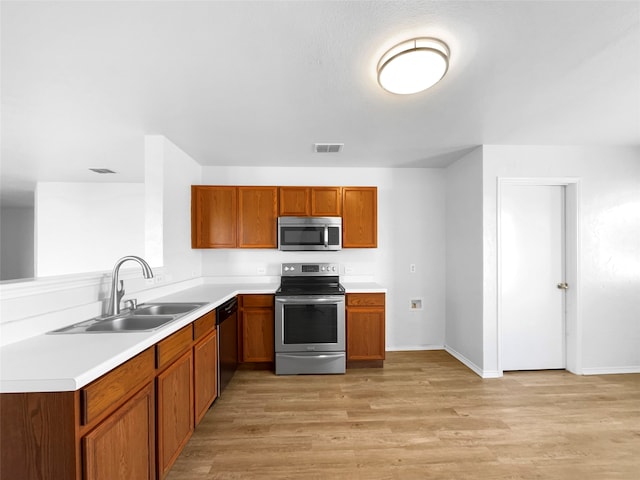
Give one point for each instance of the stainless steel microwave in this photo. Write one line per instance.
(310, 233)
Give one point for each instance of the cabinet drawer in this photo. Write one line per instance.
(173, 346)
(365, 299)
(204, 325)
(257, 301)
(111, 388)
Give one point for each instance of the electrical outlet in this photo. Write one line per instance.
(348, 270)
(412, 268)
(262, 270)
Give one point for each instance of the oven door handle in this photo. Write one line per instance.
(314, 356)
(310, 300)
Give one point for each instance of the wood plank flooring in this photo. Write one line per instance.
(423, 416)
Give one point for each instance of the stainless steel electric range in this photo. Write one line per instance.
(310, 320)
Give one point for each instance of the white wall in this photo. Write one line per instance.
(37, 306)
(464, 270)
(86, 227)
(16, 243)
(457, 244)
(180, 261)
(609, 256)
(411, 230)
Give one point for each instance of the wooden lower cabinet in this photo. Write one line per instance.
(123, 446)
(39, 436)
(92, 433)
(205, 373)
(175, 411)
(365, 326)
(131, 423)
(256, 324)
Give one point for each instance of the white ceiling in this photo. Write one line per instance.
(257, 83)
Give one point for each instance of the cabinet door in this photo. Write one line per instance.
(257, 335)
(123, 445)
(175, 411)
(326, 201)
(38, 436)
(365, 333)
(359, 217)
(205, 373)
(257, 217)
(213, 217)
(294, 201)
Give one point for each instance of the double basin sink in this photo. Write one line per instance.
(146, 317)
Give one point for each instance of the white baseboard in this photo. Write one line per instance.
(412, 348)
(476, 369)
(610, 370)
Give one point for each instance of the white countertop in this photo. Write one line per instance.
(53, 363)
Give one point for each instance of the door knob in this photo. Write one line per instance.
(563, 285)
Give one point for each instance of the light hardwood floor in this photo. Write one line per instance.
(423, 416)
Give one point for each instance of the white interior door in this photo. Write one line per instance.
(532, 264)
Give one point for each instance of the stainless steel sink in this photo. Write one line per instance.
(131, 323)
(146, 317)
(166, 308)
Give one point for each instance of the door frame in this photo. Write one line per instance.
(573, 316)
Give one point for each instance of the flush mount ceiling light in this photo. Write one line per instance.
(413, 66)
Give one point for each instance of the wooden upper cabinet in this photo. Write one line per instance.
(310, 201)
(294, 201)
(257, 217)
(214, 220)
(326, 201)
(359, 217)
(231, 217)
(246, 216)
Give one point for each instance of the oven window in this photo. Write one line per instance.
(302, 235)
(310, 324)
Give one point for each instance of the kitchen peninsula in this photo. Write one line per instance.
(87, 387)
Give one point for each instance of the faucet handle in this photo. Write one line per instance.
(131, 304)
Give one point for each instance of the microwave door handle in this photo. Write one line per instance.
(326, 236)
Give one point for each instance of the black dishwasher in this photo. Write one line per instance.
(227, 325)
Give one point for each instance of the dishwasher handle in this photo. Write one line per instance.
(226, 310)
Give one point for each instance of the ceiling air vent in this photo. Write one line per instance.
(101, 170)
(327, 147)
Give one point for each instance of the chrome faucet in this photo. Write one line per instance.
(117, 287)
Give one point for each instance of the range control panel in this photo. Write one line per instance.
(310, 269)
